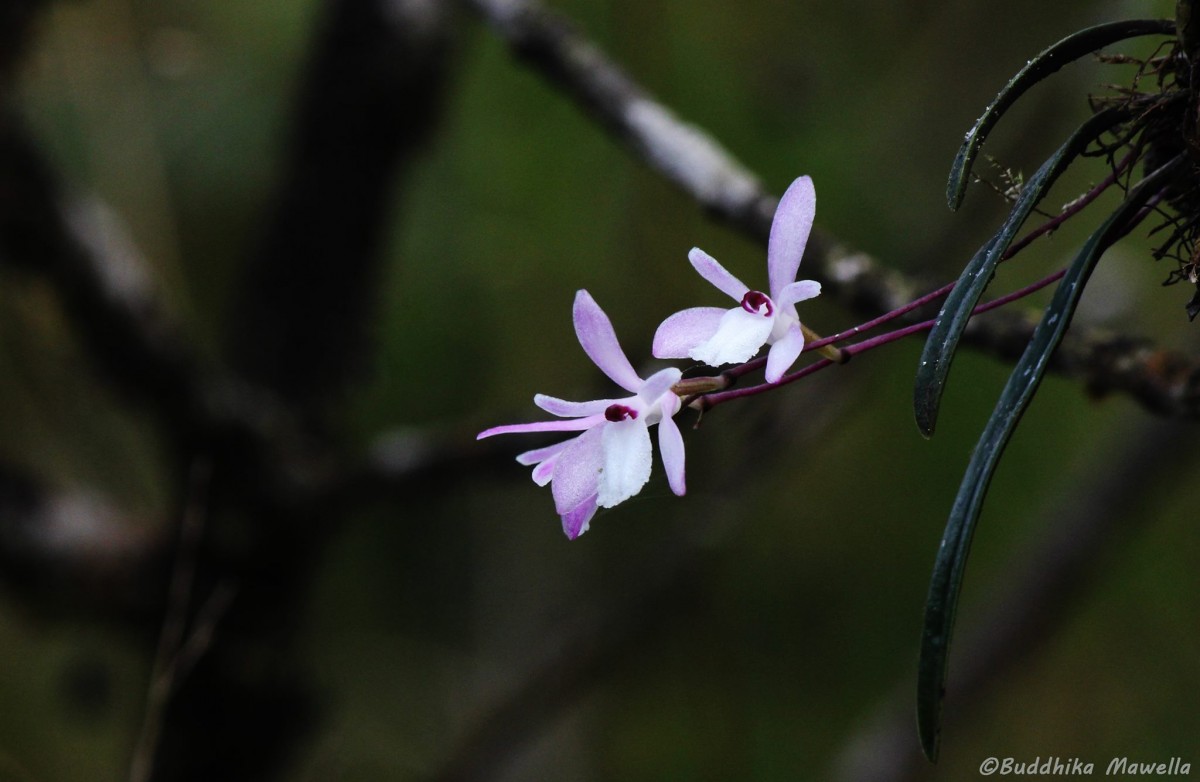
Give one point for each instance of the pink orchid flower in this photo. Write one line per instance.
(610, 461)
(716, 336)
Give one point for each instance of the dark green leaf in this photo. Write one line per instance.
(942, 602)
(943, 338)
(1068, 49)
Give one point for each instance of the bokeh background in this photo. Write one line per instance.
(763, 627)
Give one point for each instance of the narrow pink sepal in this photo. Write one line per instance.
(544, 472)
(714, 272)
(789, 233)
(784, 353)
(599, 341)
(570, 425)
(798, 291)
(679, 334)
(670, 445)
(541, 454)
(568, 409)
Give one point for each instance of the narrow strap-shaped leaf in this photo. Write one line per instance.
(942, 602)
(943, 338)
(1047, 62)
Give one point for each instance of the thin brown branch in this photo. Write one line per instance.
(1165, 382)
(171, 639)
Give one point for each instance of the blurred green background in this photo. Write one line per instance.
(813, 513)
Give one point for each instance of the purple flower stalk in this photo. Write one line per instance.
(715, 336)
(610, 460)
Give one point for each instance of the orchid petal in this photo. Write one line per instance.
(784, 353)
(544, 460)
(566, 409)
(789, 233)
(659, 384)
(627, 461)
(577, 471)
(541, 454)
(798, 291)
(715, 273)
(577, 520)
(572, 425)
(544, 472)
(738, 337)
(680, 333)
(670, 445)
(599, 341)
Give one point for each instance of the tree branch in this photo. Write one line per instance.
(76, 551)
(368, 102)
(369, 98)
(1165, 382)
(79, 245)
(135, 342)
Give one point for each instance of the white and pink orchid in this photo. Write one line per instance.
(610, 460)
(716, 336)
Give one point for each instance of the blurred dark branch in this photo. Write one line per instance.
(1166, 382)
(368, 101)
(129, 333)
(266, 459)
(184, 639)
(16, 20)
(1040, 590)
(76, 551)
(132, 337)
(79, 246)
(163, 678)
